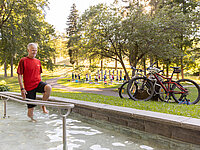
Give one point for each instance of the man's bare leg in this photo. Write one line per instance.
(30, 114)
(47, 92)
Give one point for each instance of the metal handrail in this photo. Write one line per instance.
(59, 105)
(36, 102)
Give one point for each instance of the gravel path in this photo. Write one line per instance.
(102, 91)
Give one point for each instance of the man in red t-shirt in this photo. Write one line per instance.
(30, 70)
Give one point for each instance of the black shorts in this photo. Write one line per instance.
(32, 94)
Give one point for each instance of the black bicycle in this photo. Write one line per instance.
(123, 88)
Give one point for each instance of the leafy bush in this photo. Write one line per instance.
(3, 86)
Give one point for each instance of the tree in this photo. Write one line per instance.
(71, 31)
(109, 34)
(187, 33)
(26, 24)
(6, 7)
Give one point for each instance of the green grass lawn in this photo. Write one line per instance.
(170, 108)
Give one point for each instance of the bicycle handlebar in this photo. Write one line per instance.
(153, 64)
(139, 70)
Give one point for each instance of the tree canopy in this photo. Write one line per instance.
(23, 22)
(109, 32)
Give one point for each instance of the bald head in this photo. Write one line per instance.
(32, 50)
(31, 45)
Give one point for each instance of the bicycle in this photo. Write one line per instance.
(181, 90)
(123, 88)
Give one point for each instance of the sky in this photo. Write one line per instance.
(60, 10)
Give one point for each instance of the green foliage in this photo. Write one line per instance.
(3, 86)
(72, 30)
(25, 24)
(120, 33)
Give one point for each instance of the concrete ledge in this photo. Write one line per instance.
(172, 126)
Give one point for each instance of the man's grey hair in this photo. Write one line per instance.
(32, 44)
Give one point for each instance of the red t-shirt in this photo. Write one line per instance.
(31, 70)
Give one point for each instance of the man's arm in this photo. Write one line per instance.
(23, 91)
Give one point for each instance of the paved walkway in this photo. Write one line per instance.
(102, 91)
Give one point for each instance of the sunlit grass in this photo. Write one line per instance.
(195, 78)
(12, 82)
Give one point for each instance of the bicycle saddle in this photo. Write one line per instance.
(175, 67)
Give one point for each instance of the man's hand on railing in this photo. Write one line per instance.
(23, 93)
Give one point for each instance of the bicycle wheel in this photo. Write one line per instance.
(192, 88)
(163, 96)
(140, 88)
(123, 90)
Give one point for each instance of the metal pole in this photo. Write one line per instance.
(64, 133)
(5, 101)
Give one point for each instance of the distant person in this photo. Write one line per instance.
(124, 77)
(79, 77)
(86, 77)
(96, 78)
(90, 78)
(111, 78)
(72, 76)
(120, 76)
(104, 77)
(75, 76)
(29, 77)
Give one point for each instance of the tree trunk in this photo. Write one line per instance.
(54, 59)
(116, 64)
(144, 65)
(77, 63)
(182, 74)
(163, 69)
(90, 61)
(167, 69)
(123, 65)
(199, 74)
(151, 60)
(11, 66)
(101, 64)
(5, 69)
(157, 65)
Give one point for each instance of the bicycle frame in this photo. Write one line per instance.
(169, 83)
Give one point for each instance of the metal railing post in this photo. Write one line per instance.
(5, 107)
(64, 133)
(4, 114)
(64, 127)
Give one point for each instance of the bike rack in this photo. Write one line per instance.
(5, 96)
